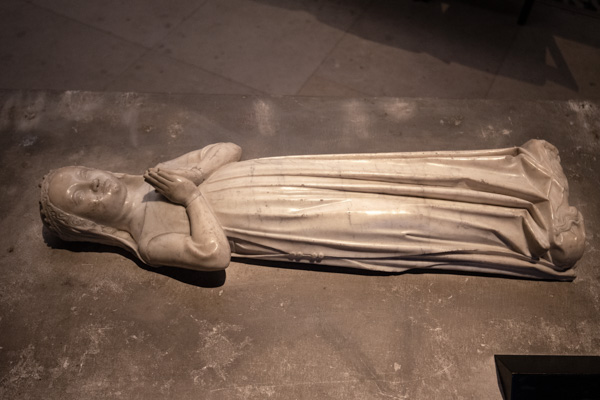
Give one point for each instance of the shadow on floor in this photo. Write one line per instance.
(473, 33)
(203, 279)
(350, 271)
(213, 279)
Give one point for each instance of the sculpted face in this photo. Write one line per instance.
(89, 193)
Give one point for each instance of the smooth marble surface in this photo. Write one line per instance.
(503, 211)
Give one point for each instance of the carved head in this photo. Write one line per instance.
(80, 204)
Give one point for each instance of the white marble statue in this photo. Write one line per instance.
(501, 211)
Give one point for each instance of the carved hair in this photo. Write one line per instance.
(73, 228)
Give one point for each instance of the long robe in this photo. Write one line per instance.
(491, 211)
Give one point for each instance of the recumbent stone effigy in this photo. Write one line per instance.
(500, 211)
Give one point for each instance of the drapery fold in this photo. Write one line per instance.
(490, 211)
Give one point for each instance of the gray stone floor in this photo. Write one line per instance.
(442, 49)
(280, 77)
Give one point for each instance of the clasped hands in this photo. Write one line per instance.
(173, 184)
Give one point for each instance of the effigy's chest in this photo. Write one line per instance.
(162, 217)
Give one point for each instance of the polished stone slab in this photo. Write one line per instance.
(83, 321)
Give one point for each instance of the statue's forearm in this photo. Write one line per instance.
(206, 233)
(215, 156)
(202, 163)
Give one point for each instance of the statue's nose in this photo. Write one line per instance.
(95, 185)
